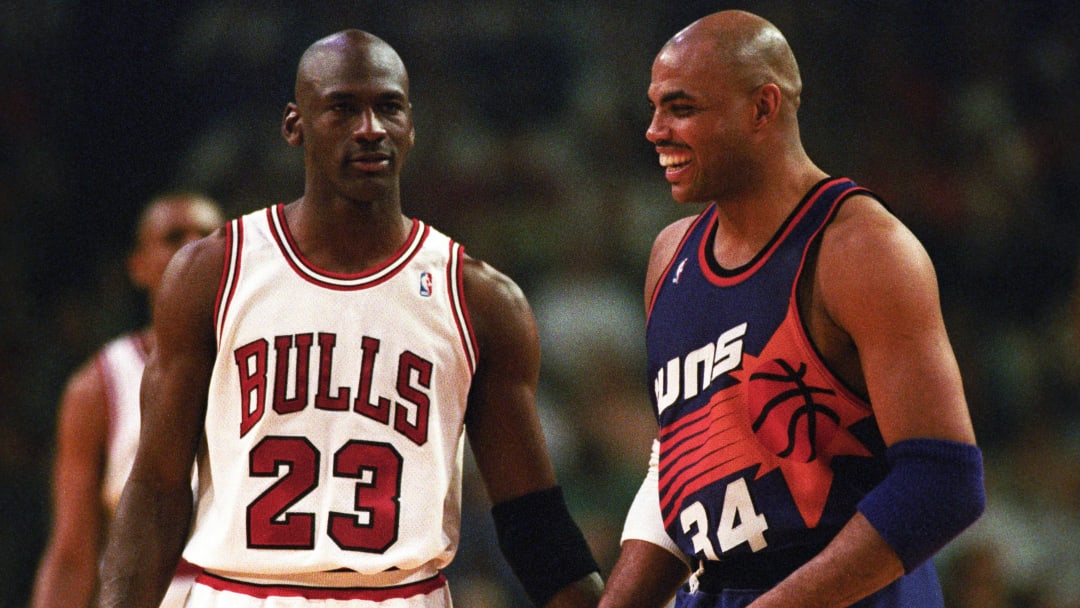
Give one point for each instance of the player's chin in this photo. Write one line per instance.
(686, 195)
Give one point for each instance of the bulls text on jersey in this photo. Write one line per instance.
(408, 414)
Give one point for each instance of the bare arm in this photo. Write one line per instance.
(647, 575)
(152, 520)
(502, 424)
(878, 286)
(67, 575)
(663, 249)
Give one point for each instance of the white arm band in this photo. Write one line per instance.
(643, 520)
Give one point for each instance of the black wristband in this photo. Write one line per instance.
(542, 543)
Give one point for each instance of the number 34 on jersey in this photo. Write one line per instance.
(739, 523)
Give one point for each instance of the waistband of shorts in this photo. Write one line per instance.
(752, 571)
(327, 585)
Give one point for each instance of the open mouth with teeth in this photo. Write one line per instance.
(674, 164)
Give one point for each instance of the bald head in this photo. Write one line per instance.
(752, 48)
(327, 58)
(167, 223)
(197, 210)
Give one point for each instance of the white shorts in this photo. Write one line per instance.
(177, 594)
(219, 591)
(178, 591)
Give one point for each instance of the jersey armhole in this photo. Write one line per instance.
(458, 306)
(234, 238)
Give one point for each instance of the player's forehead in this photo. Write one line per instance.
(370, 70)
(686, 71)
(184, 214)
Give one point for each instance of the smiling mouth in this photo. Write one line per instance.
(674, 161)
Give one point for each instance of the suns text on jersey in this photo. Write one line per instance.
(407, 414)
(687, 375)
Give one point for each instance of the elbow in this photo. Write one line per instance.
(934, 492)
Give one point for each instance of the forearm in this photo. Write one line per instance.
(67, 582)
(645, 576)
(857, 563)
(547, 551)
(582, 593)
(144, 545)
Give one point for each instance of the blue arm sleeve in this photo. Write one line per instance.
(934, 491)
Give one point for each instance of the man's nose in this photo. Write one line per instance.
(369, 126)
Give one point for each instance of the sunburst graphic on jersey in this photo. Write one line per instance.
(776, 415)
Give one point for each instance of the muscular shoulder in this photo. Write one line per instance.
(866, 237)
(497, 306)
(86, 382)
(664, 246)
(84, 405)
(669, 238)
(870, 261)
(190, 285)
(205, 256)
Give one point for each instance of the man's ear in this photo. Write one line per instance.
(292, 127)
(767, 100)
(138, 272)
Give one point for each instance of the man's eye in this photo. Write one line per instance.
(174, 237)
(681, 110)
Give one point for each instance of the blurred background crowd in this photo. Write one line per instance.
(530, 120)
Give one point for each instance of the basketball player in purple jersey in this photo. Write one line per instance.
(815, 447)
(322, 360)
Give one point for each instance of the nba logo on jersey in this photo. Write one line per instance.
(679, 270)
(425, 284)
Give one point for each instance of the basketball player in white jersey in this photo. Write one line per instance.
(322, 360)
(98, 425)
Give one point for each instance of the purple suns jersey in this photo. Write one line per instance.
(764, 453)
(762, 448)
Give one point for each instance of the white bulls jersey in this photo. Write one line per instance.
(334, 428)
(121, 363)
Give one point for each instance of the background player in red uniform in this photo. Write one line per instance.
(99, 417)
(349, 240)
(868, 325)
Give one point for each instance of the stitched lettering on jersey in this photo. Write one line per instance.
(407, 413)
(692, 373)
(774, 416)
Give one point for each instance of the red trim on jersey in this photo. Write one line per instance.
(840, 198)
(675, 256)
(759, 261)
(454, 273)
(186, 569)
(303, 267)
(234, 240)
(371, 594)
